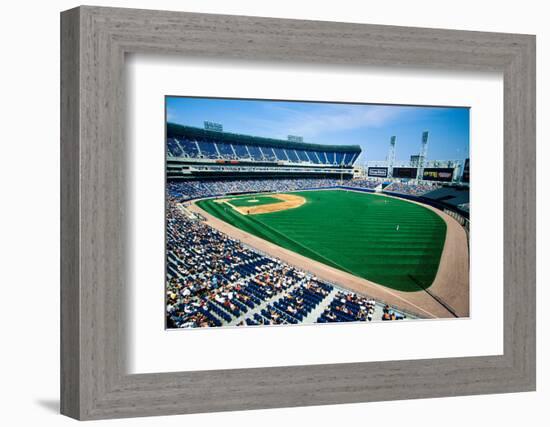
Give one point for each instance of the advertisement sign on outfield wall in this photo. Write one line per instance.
(404, 173)
(438, 174)
(378, 172)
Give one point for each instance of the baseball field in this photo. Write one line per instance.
(388, 241)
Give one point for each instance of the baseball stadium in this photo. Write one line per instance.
(266, 231)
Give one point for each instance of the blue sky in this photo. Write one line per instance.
(369, 126)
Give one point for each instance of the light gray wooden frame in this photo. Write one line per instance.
(94, 41)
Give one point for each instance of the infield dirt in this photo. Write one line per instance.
(287, 201)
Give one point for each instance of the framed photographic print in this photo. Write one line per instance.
(303, 212)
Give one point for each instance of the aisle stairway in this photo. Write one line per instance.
(250, 313)
(317, 311)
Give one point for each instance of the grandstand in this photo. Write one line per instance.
(452, 196)
(195, 153)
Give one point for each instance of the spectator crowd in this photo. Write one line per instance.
(185, 190)
(197, 189)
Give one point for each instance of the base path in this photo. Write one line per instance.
(446, 298)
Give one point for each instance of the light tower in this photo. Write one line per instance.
(423, 155)
(391, 156)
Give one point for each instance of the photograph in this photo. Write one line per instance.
(287, 212)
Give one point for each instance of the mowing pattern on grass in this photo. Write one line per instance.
(392, 242)
(253, 201)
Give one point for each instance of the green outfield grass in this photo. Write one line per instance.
(253, 201)
(354, 232)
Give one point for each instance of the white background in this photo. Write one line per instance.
(150, 78)
(29, 225)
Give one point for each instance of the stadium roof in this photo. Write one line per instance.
(175, 130)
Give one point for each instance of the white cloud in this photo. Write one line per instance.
(321, 119)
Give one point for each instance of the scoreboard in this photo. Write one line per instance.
(378, 172)
(438, 174)
(404, 173)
